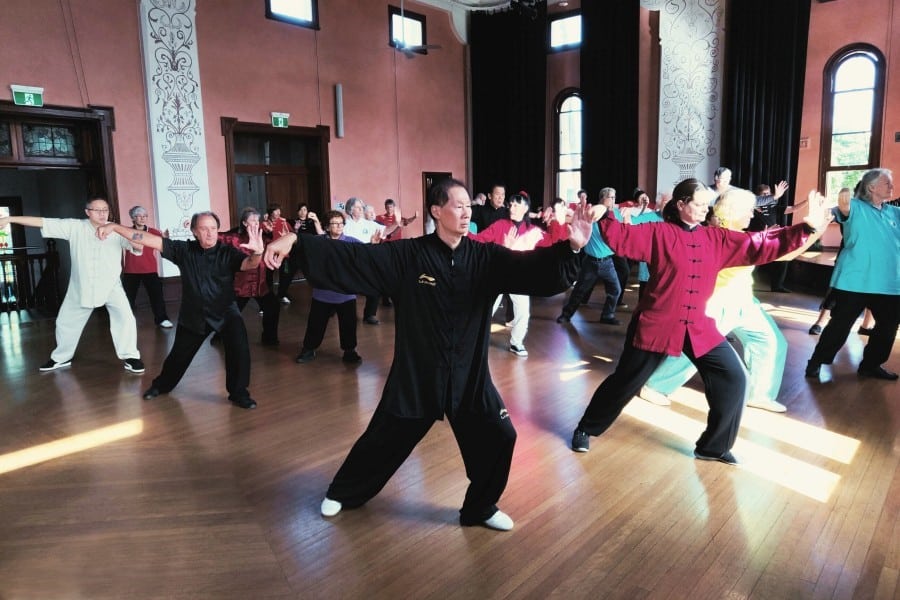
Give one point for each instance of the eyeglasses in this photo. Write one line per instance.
(336, 224)
(99, 210)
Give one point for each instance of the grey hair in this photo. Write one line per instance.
(348, 207)
(869, 178)
(135, 210)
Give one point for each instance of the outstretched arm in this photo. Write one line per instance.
(26, 221)
(135, 236)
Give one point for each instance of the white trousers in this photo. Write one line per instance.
(521, 314)
(72, 318)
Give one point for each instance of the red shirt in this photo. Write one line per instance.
(683, 265)
(247, 284)
(530, 236)
(388, 221)
(144, 263)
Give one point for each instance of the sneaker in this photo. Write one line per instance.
(769, 405)
(581, 441)
(305, 356)
(562, 319)
(151, 393)
(51, 365)
(728, 458)
(654, 397)
(285, 300)
(351, 357)
(499, 521)
(371, 321)
(815, 330)
(134, 365)
(610, 321)
(330, 507)
(166, 324)
(518, 350)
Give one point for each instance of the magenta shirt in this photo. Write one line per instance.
(683, 266)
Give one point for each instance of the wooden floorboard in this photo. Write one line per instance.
(193, 498)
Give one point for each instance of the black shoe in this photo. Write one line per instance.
(151, 393)
(305, 356)
(610, 321)
(351, 357)
(371, 321)
(781, 290)
(877, 373)
(581, 441)
(812, 369)
(865, 330)
(52, 365)
(815, 330)
(727, 458)
(562, 319)
(134, 365)
(246, 403)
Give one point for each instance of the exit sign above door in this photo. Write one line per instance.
(26, 95)
(280, 119)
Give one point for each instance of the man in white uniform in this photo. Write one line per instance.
(95, 281)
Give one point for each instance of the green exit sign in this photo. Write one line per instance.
(280, 119)
(25, 95)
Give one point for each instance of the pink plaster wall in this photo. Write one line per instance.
(402, 116)
(834, 25)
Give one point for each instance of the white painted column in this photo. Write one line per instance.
(690, 89)
(175, 115)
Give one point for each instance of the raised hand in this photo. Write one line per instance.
(580, 227)
(780, 188)
(819, 215)
(255, 243)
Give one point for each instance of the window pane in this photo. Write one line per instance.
(299, 10)
(852, 112)
(406, 31)
(850, 149)
(565, 31)
(855, 73)
(840, 179)
(5, 140)
(567, 184)
(50, 142)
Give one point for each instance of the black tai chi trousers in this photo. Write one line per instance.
(724, 380)
(485, 441)
(237, 357)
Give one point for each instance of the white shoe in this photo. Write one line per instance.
(285, 300)
(770, 405)
(167, 324)
(330, 507)
(499, 521)
(654, 397)
(518, 350)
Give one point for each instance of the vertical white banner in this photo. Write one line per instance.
(175, 115)
(690, 89)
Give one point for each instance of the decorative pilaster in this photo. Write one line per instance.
(690, 88)
(175, 110)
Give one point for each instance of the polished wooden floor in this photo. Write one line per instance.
(104, 495)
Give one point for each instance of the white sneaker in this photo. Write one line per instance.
(285, 300)
(518, 350)
(499, 521)
(167, 324)
(770, 405)
(330, 507)
(654, 397)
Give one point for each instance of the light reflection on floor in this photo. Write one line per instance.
(69, 445)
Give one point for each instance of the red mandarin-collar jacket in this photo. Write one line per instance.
(532, 236)
(683, 266)
(247, 284)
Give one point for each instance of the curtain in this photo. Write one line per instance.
(609, 91)
(509, 89)
(765, 67)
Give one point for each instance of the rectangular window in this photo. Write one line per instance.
(407, 30)
(49, 142)
(565, 32)
(304, 13)
(5, 140)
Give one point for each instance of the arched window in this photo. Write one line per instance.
(852, 105)
(568, 145)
